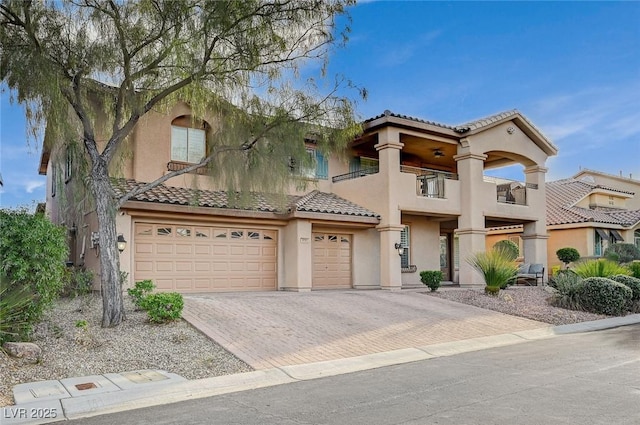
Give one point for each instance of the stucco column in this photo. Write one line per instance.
(297, 255)
(535, 235)
(471, 223)
(388, 148)
(124, 226)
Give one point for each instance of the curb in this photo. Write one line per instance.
(36, 412)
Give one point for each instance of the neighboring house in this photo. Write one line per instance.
(411, 197)
(589, 212)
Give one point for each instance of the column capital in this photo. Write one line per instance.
(534, 236)
(390, 227)
(388, 145)
(470, 155)
(471, 231)
(535, 169)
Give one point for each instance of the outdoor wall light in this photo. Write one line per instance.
(95, 239)
(122, 243)
(399, 247)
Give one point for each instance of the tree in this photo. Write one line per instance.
(567, 255)
(72, 62)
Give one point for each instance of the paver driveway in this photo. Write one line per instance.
(285, 328)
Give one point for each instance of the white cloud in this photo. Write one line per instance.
(31, 185)
(399, 54)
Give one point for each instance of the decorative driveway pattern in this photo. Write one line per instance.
(272, 329)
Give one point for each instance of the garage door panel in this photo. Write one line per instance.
(184, 249)
(164, 248)
(205, 258)
(164, 266)
(201, 266)
(331, 261)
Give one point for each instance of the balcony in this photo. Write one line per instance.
(510, 191)
(429, 183)
(355, 174)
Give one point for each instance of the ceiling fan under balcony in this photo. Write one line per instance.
(438, 153)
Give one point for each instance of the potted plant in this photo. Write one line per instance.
(431, 278)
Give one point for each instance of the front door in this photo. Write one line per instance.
(444, 256)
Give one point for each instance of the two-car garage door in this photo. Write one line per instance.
(196, 258)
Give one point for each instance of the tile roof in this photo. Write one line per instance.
(388, 113)
(563, 194)
(315, 201)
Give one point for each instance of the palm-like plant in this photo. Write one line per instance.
(496, 268)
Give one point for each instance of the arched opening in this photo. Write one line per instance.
(188, 139)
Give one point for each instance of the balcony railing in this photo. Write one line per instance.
(510, 191)
(429, 183)
(355, 174)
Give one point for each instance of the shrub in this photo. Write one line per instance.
(634, 269)
(568, 255)
(569, 289)
(14, 301)
(509, 248)
(497, 270)
(623, 252)
(163, 307)
(33, 252)
(431, 278)
(633, 284)
(605, 296)
(598, 268)
(78, 282)
(140, 291)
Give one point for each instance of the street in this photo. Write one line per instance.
(588, 378)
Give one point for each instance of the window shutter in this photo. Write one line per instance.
(404, 241)
(322, 166)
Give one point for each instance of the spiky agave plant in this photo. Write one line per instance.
(496, 267)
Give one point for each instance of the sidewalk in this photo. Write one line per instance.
(74, 398)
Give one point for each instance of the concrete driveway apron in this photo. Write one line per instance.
(272, 329)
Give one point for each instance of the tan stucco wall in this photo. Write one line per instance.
(569, 238)
(365, 259)
(424, 241)
(621, 183)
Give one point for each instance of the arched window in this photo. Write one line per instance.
(188, 140)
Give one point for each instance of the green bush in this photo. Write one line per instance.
(163, 307)
(605, 296)
(14, 302)
(498, 271)
(598, 268)
(623, 252)
(78, 282)
(632, 283)
(431, 278)
(569, 289)
(568, 255)
(33, 252)
(140, 291)
(509, 248)
(634, 269)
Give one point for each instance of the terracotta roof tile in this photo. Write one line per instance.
(314, 201)
(562, 196)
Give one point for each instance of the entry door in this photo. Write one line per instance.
(445, 258)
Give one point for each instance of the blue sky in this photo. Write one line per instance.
(572, 68)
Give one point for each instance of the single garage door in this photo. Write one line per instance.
(195, 258)
(331, 261)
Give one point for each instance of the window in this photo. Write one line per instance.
(68, 166)
(187, 144)
(404, 241)
(636, 238)
(163, 231)
(319, 168)
(182, 231)
(54, 183)
(600, 241)
(361, 163)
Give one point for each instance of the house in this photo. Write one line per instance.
(412, 196)
(589, 212)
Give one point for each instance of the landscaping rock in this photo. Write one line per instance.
(23, 350)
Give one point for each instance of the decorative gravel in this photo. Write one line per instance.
(69, 351)
(531, 302)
